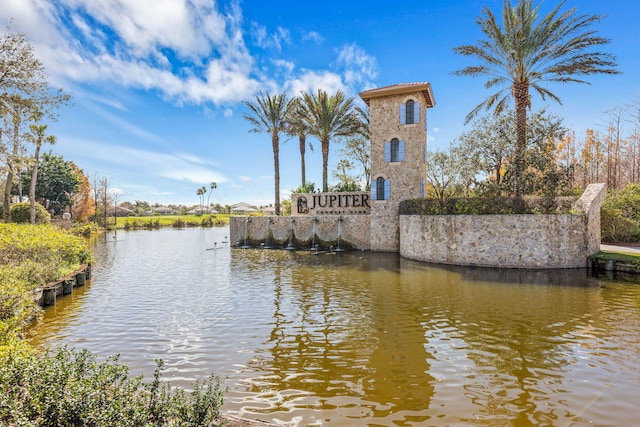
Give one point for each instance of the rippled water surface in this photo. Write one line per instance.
(360, 339)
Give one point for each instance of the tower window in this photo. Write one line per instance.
(395, 148)
(394, 151)
(380, 189)
(409, 110)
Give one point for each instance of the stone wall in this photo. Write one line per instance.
(302, 232)
(509, 241)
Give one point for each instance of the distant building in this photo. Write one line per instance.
(201, 210)
(120, 211)
(242, 208)
(163, 210)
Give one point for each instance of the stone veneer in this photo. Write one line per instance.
(407, 176)
(510, 241)
(346, 231)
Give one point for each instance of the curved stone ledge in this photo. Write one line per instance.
(507, 241)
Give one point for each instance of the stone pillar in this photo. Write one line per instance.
(590, 203)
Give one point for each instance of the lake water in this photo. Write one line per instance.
(360, 339)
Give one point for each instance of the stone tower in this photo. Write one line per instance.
(398, 116)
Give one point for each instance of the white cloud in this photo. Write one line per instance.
(311, 81)
(287, 66)
(179, 167)
(143, 38)
(359, 67)
(126, 125)
(270, 41)
(314, 36)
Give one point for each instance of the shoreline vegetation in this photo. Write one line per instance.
(176, 221)
(70, 387)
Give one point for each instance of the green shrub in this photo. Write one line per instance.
(71, 388)
(17, 306)
(486, 206)
(627, 201)
(20, 213)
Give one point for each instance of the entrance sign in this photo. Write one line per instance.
(355, 203)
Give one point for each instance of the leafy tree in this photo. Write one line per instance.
(82, 205)
(25, 95)
(102, 197)
(269, 113)
(328, 116)
(346, 182)
(487, 150)
(58, 182)
(447, 174)
(489, 146)
(140, 207)
(356, 150)
(355, 155)
(620, 219)
(309, 187)
(527, 52)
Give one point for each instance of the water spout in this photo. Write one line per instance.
(314, 246)
(338, 248)
(246, 234)
(265, 245)
(290, 246)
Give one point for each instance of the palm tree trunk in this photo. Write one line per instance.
(6, 206)
(275, 144)
(521, 96)
(325, 165)
(302, 138)
(32, 186)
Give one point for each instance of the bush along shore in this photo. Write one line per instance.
(70, 387)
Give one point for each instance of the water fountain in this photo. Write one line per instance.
(246, 234)
(338, 248)
(265, 245)
(290, 246)
(314, 247)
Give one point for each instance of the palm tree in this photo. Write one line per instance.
(200, 192)
(269, 114)
(37, 135)
(212, 186)
(531, 50)
(296, 126)
(328, 117)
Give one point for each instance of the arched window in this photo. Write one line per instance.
(395, 150)
(380, 188)
(409, 111)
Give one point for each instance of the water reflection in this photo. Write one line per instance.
(360, 338)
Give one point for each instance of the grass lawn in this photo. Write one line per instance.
(619, 256)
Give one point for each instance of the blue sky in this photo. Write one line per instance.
(157, 85)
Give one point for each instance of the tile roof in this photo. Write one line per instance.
(401, 88)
